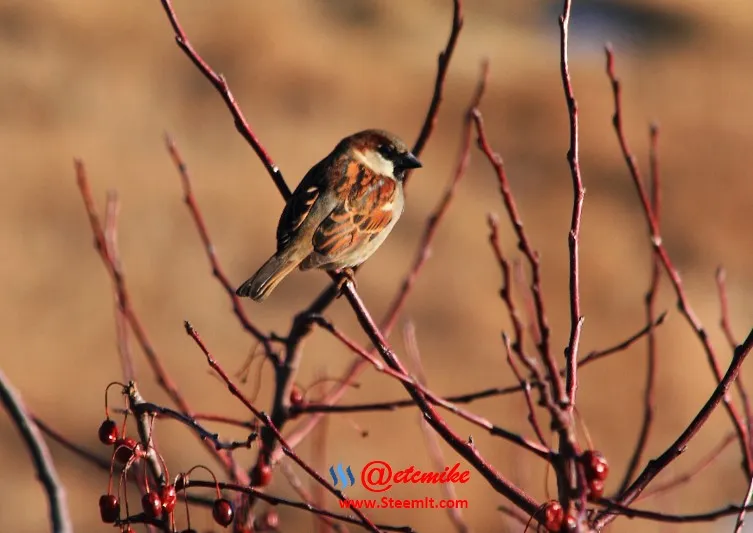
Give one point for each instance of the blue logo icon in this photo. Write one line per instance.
(339, 476)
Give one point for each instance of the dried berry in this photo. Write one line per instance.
(222, 512)
(595, 489)
(261, 475)
(124, 449)
(553, 515)
(296, 396)
(596, 465)
(109, 508)
(152, 505)
(108, 432)
(168, 497)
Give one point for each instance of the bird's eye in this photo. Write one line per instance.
(386, 150)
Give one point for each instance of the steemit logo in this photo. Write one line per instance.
(339, 476)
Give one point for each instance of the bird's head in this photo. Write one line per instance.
(382, 152)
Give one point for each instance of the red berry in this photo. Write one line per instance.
(596, 465)
(152, 505)
(128, 529)
(109, 508)
(108, 432)
(168, 497)
(296, 396)
(553, 516)
(595, 489)
(124, 449)
(268, 521)
(222, 512)
(261, 475)
(571, 524)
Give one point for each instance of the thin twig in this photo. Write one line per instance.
(525, 246)
(683, 303)
(211, 253)
(591, 357)
(721, 283)
(297, 485)
(163, 377)
(532, 419)
(60, 518)
(235, 391)
(676, 448)
(464, 447)
(709, 516)
(650, 303)
(506, 290)
(430, 437)
(412, 383)
(444, 64)
(743, 508)
(112, 208)
(576, 318)
(439, 212)
(219, 83)
(658, 488)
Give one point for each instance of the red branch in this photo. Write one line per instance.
(653, 226)
(217, 271)
(576, 319)
(444, 63)
(462, 446)
(219, 83)
(60, 519)
(163, 377)
(650, 299)
(287, 450)
(430, 230)
(410, 383)
(721, 283)
(658, 488)
(676, 448)
(525, 246)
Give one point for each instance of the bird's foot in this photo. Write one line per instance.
(346, 275)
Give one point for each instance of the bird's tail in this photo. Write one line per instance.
(271, 273)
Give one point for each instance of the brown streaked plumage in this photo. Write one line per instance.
(341, 211)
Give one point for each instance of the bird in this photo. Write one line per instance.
(341, 212)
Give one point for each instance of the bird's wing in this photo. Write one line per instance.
(366, 211)
(300, 203)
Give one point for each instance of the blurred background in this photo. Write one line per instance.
(104, 81)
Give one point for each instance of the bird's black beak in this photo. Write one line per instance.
(408, 160)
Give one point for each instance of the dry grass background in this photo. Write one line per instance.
(104, 80)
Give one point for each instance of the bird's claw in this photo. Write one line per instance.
(346, 275)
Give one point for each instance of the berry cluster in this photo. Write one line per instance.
(157, 503)
(596, 469)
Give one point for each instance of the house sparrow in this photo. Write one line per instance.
(341, 212)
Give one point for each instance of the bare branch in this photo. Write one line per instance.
(60, 518)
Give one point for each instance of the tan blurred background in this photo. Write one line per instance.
(104, 81)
